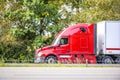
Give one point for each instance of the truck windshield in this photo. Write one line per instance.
(55, 41)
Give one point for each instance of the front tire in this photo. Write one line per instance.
(107, 60)
(51, 60)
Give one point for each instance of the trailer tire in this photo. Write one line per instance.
(107, 60)
(117, 60)
(51, 59)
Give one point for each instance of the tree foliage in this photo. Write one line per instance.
(25, 24)
(93, 11)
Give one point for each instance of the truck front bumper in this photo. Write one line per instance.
(39, 60)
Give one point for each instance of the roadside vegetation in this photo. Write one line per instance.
(26, 25)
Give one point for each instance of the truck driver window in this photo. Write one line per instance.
(63, 41)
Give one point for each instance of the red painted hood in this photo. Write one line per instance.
(45, 48)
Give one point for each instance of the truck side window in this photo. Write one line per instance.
(63, 41)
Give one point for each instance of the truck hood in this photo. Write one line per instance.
(45, 48)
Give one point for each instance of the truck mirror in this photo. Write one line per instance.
(83, 29)
(40, 47)
(58, 45)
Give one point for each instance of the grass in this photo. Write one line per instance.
(2, 64)
(39, 65)
(56, 65)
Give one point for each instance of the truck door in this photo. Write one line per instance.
(64, 48)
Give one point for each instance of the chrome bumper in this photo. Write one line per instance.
(39, 60)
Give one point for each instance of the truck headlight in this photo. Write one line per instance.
(39, 54)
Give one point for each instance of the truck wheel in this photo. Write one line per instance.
(117, 60)
(107, 60)
(51, 60)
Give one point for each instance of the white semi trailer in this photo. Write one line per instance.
(108, 41)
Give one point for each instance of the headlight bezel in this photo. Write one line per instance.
(40, 54)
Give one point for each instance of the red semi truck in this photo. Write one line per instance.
(81, 43)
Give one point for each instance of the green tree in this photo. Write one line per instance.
(28, 19)
(90, 11)
(93, 11)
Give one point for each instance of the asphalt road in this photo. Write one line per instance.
(61, 73)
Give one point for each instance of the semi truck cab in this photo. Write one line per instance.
(74, 44)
